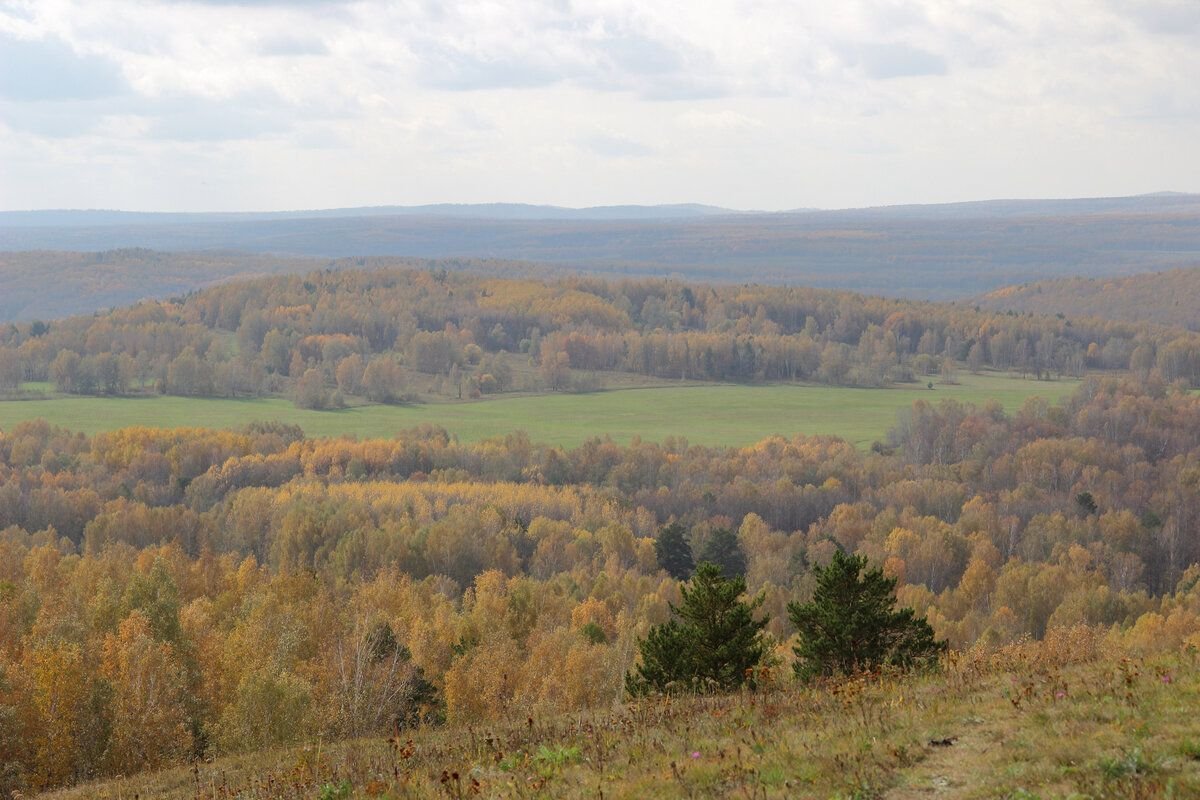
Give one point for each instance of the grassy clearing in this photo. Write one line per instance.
(721, 414)
(1034, 720)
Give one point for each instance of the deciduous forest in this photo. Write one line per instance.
(1166, 298)
(328, 338)
(173, 594)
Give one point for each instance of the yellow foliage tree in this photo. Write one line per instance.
(149, 717)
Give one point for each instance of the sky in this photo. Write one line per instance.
(220, 105)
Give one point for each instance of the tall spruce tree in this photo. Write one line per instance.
(674, 552)
(852, 624)
(713, 643)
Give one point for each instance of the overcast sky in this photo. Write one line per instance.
(224, 105)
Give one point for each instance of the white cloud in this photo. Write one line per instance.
(883, 60)
(720, 120)
(754, 103)
(616, 146)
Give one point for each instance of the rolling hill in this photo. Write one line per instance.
(51, 284)
(949, 251)
(1166, 298)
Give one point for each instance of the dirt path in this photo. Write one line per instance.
(960, 768)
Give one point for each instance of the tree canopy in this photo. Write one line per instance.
(387, 334)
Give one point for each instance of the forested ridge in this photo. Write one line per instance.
(1165, 298)
(51, 284)
(332, 337)
(166, 594)
(944, 252)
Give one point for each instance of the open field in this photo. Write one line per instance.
(723, 414)
(1061, 719)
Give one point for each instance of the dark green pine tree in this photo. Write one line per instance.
(724, 550)
(673, 552)
(852, 624)
(713, 642)
(665, 662)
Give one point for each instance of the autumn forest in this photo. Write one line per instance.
(174, 594)
(329, 338)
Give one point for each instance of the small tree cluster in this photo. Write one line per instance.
(310, 391)
(713, 641)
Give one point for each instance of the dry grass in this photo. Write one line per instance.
(1054, 719)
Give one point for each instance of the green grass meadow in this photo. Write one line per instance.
(721, 414)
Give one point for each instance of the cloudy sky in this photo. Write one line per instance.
(772, 104)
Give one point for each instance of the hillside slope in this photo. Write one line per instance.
(1032, 720)
(1166, 298)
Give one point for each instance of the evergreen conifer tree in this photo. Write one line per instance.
(852, 623)
(724, 550)
(673, 552)
(712, 643)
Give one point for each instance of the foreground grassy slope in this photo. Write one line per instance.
(1054, 719)
(707, 414)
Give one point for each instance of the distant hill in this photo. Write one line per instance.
(55, 218)
(1156, 203)
(939, 252)
(49, 284)
(1166, 298)
(1159, 203)
(53, 284)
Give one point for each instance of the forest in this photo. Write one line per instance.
(1165, 298)
(335, 337)
(173, 594)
